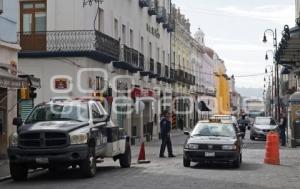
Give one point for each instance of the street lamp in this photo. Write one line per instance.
(274, 34)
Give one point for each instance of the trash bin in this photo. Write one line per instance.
(294, 120)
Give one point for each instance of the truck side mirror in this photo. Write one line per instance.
(17, 121)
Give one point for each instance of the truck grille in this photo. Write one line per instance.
(42, 140)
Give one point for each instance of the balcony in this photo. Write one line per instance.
(159, 71)
(89, 43)
(172, 75)
(179, 75)
(144, 3)
(161, 16)
(141, 62)
(129, 60)
(171, 24)
(152, 69)
(152, 7)
(166, 71)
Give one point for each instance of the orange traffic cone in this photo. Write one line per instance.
(272, 149)
(142, 155)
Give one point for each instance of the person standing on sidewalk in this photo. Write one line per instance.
(282, 128)
(165, 130)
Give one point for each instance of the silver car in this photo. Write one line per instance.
(261, 127)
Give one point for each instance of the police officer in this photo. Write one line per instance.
(282, 127)
(165, 129)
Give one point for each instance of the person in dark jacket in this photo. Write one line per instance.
(165, 130)
(282, 128)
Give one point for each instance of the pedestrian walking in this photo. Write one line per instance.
(165, 130)
(282, 128)
(180, 123)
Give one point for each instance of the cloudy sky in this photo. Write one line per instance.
(234, 29)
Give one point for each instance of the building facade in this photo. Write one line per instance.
(203, 70)
(9, 83)
(126, 43)
(181, 59)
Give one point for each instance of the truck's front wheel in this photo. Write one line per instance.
(89, 166)
(19, 172)
(125, 159)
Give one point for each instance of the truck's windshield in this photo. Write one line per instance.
(59, 112)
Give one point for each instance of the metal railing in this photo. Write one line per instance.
(144, 3)
(161, 16)
(151, 66)
(152, 7)
(130, 56)
(69, 41)
(158, 69)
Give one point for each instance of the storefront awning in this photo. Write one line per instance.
(203, 107)
(288, 52)
(10, 81)
(285, 71)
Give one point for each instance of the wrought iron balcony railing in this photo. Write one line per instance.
(70, 41)
(152, 71)
(158, 69)
(171, 23)
(172, 74)
(141, 62)
(161, 16)
(144, 3)
(131, 57)
(166, 71)
(152, 7)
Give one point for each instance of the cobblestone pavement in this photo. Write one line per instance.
(170, 173)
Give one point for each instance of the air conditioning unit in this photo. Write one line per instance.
(1, 6)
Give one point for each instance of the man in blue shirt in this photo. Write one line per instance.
(165, 130)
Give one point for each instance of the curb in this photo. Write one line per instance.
(2, 179)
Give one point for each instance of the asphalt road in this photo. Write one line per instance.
(170, 173)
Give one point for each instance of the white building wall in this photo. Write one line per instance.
(297, 8)
(71, 15)
(126, 12)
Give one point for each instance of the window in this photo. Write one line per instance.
(131, 38)
(40, 22)
(116, 28)
(142, 45)
(1, 11)
(101, 20)
(124, 34)
(33, 17)
(158, 54)
(164, 57)
(95, 112)
(150, 49)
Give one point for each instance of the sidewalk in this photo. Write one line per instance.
(4, 169)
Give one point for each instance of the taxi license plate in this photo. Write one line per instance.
(42, 160)
(210, 154)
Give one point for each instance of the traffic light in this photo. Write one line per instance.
(32, 93)
(24, 93)
(109, 91)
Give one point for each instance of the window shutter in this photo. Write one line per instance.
(1, 6)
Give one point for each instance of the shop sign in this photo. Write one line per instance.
(137, 92)
(61, 83)
(154, 31)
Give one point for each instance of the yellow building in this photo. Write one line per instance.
(222, 86)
